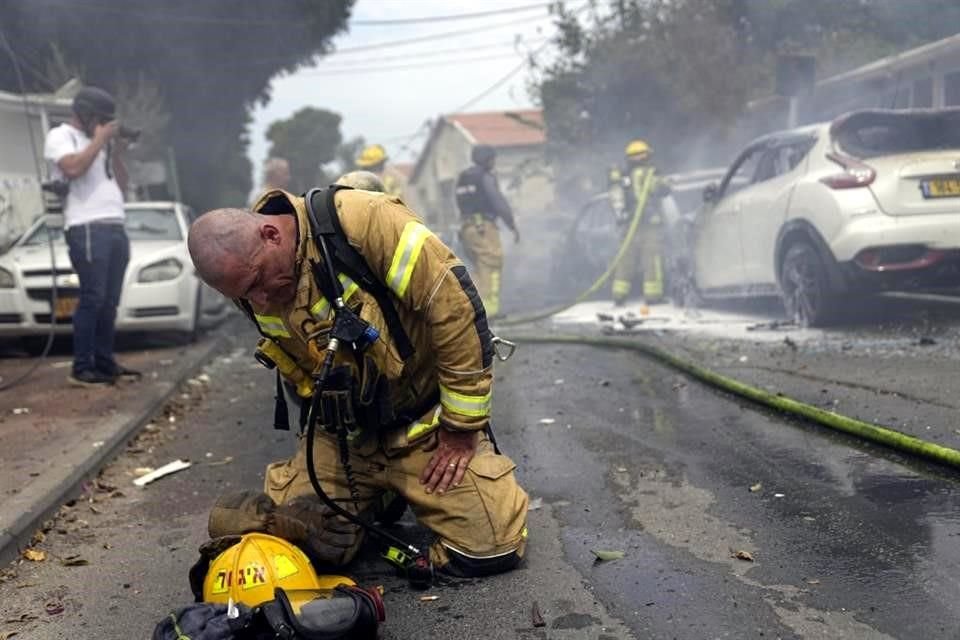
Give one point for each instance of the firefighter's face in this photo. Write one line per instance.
(267, 277)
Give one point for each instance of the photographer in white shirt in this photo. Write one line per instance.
(85, 153)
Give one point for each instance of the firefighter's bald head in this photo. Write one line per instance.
(246, 255)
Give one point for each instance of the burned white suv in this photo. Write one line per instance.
(824, 213)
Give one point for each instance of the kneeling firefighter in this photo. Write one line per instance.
(381, 339)
(632, 191)
(481, 204)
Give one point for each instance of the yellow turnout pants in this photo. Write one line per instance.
(484, 517)
(481, 244)
(645, 249)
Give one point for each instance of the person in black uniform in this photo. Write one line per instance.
(481, 204)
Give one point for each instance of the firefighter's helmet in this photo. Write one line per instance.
(365, 180)
(251, 569)
(638, 150)
(371, 156)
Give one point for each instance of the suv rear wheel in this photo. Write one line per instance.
(805, 288)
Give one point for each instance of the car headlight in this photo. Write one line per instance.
(160, 271)
(6, 279)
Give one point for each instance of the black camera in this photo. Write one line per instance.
(128, 133)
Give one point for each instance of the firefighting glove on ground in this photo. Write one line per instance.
(305, 521)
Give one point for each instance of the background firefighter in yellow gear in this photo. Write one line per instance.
(419, 424)
(374, 158)
(632, 191)
(481, 204)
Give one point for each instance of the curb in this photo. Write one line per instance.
(42, 508)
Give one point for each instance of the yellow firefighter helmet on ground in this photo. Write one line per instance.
(638, 149)
(371, 156)
(250, 570)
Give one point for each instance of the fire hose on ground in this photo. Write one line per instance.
(589, 291)
(873, 433)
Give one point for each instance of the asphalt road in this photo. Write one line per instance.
(847, 541)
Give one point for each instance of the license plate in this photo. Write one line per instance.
(65, 308)
(941, 187)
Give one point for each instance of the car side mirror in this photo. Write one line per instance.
(711, 192)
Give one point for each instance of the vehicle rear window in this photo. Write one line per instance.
(881, 133)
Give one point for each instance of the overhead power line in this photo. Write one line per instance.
(432, 53)
(182, 18)
(456, 16)
(397, 67)
(438, 36)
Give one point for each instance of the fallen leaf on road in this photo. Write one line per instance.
(24, 617)
(547, 420)
(604, 555)
(536, 503)
(53, 608)
(74, 561)
(34, 555)
(743, 555)
(95, 510)
(756, 487)
(536, 617)
(37, 538)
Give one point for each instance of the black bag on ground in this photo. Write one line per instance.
(350, 612)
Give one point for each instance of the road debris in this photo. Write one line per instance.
(6, 635)
(54, 607)
(156, 474)
(20, 411)
(34, 555)
(547, 421)
(604, 555)
(74, 561)
(536, 617)
(756, 487)
(219, 463)
(742, 555)
(535, 503)
(779, 495)
(429, 598)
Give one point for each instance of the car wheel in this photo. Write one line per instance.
(806, 292)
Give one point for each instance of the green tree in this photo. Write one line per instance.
(211, 61)
(309, 139)
(680, 72)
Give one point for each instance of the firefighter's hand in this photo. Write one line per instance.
(455, 450)
(516, 236)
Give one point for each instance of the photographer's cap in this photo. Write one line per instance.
(93, 101)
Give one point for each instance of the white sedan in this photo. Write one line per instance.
(822, 214)
(161, 291)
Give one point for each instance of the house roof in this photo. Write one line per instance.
(502, 128)
(515, 128)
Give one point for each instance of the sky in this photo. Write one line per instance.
(437, 76)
